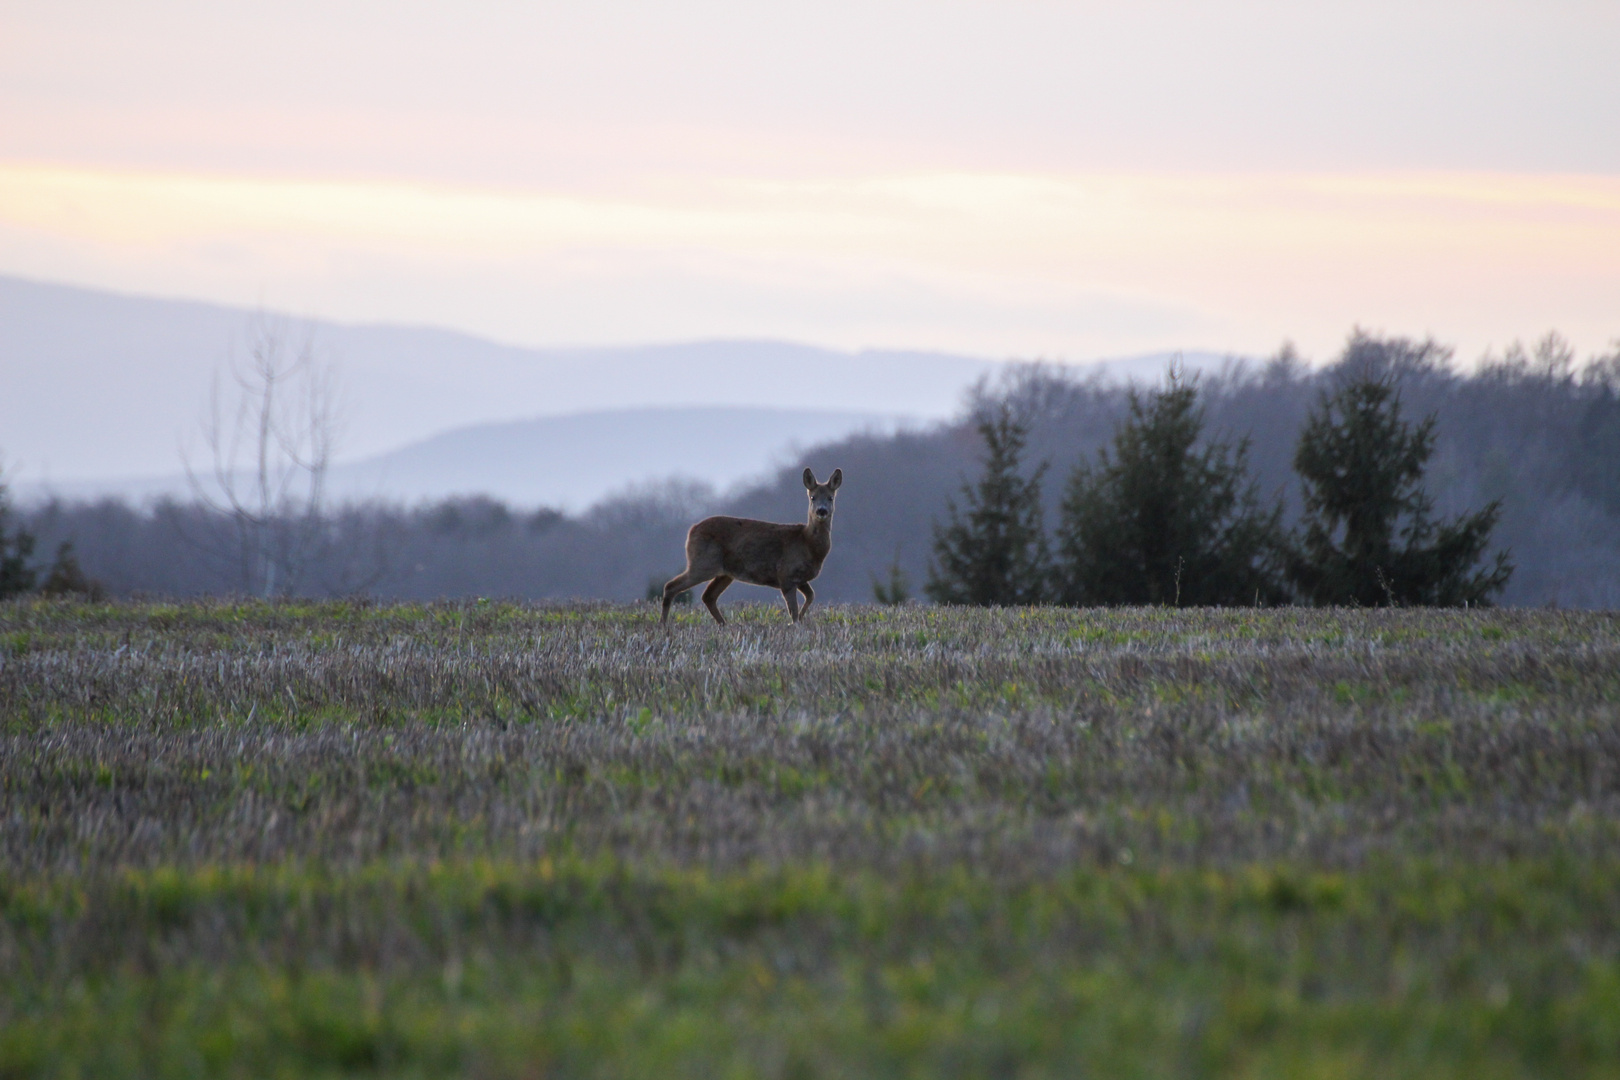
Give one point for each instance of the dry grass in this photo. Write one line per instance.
(1217, 841)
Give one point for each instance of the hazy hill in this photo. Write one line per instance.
(100, 385)
(567, 462)
(102, 391)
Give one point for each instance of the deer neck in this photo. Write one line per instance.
(818, 532)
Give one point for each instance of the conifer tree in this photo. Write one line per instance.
(67, 578)
(1369, 537)
(1165, 521)
(896, 589)
(993, 551)
(16, 576)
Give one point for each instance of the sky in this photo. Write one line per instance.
(1016, 178)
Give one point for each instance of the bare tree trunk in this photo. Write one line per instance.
(285, 414)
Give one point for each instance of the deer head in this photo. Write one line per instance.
(821, 495)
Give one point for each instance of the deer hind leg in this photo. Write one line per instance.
(809, 598)
(790, 593)
(674, 587)
(711, 597)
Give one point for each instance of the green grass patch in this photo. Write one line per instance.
(594, 967)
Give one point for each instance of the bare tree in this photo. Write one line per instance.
(270, 443)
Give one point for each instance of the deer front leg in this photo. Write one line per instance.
(711, 597)
(790, 593)
(809, 598)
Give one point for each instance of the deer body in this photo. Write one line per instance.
(721, 550)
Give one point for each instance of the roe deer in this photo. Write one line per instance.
(721, 550)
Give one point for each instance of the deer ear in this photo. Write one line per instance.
(809, 479)
(835, 479)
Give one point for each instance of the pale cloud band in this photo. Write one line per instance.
(1060, 264)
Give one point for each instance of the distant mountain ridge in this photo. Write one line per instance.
(102, 391)
(568, 462)
(571, 461)
(101, 385)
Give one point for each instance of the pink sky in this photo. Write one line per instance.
(1015, 178)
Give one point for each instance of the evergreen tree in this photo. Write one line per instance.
(16, 576)
(1163, 521)
(895, 590)
(995, 553)
(67, 578)
(1594, 451)
(1369, 537)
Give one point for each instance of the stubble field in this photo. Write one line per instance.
(495, 840)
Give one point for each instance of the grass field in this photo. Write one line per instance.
(493, 840)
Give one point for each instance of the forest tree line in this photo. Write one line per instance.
(1534, 434)
(1169, 518)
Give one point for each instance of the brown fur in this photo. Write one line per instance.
(721, 550)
